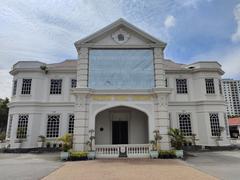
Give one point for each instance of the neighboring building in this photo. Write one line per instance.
(122, 87)
(231, 90)
(234, 127)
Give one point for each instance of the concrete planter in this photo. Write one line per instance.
(153, 154)
(179, 153)
(39, 144)
(64, 156)
(91, 155)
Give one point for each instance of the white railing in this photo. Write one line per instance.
(131, 150)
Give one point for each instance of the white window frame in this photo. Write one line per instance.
(181, 88)
(26, 86)
(14, 90)
(23, 120)
(210, 88)
(73, 83)
(50, 132)
(214, 126)
(71, 119)
(56, 90)
(185, 127)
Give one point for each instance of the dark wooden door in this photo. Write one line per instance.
(119, 132)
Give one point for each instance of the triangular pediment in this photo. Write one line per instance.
(128, 34)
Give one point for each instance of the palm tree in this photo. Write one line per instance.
(177, 138)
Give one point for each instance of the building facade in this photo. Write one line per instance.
(122, 87)
(231, 90)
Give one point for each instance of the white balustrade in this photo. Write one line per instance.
(113, 151)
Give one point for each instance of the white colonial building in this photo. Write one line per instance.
(122, 87)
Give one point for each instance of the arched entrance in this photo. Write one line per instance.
(121, 125)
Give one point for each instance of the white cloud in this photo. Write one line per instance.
(236, 35)
(169, 21)
(5, 83)
(229, 58)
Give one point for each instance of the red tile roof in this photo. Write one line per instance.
(234, 121)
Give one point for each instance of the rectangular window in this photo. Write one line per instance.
(214, 122)
(166, 82)
(121, 69)
(14, 88)
(9, 126)
(71, 124)
(73, 83)
(210, 86)
(53, 126)
(220, 86)
(181, 85)
(185, 124)
(26, 86)
(56, 86)
(22, 126)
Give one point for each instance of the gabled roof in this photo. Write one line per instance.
(115, 24)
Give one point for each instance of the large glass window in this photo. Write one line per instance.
(14, 92)
(71, 124)
(181, 85)
(53, 126)
(56, 86)
(210, 86)
(26, 86)
(121, 69)
(214, 122)
(185, 124)
(22, 126)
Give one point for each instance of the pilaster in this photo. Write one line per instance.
(82, 68)
(158, 68)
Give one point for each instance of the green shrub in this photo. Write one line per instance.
(167, 154)
(77, 155)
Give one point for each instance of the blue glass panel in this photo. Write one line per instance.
(121, 69)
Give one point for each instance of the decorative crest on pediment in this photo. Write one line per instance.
(120, 36)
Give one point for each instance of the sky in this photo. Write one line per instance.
(194, 30)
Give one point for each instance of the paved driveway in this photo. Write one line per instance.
(128, 170)
(27, 166)
(222, 164)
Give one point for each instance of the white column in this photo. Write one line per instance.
(80, 123)
(158, 67)
(162, 119)
(82, 68)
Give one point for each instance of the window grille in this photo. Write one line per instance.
(26, 86)
(14, 88)
(73, 83)
(181, 86)
(56, 86)
(53, 126)
(185, 124)
(22, 126)
(71, 124)
(220, 86)
(214, 122)
(210, 86)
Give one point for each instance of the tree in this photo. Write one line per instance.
(3, 114)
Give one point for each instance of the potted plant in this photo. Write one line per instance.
(219, 137)
(177, 140)
(91, 152)
(66, 140)
(41, 141)
(155, 144)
